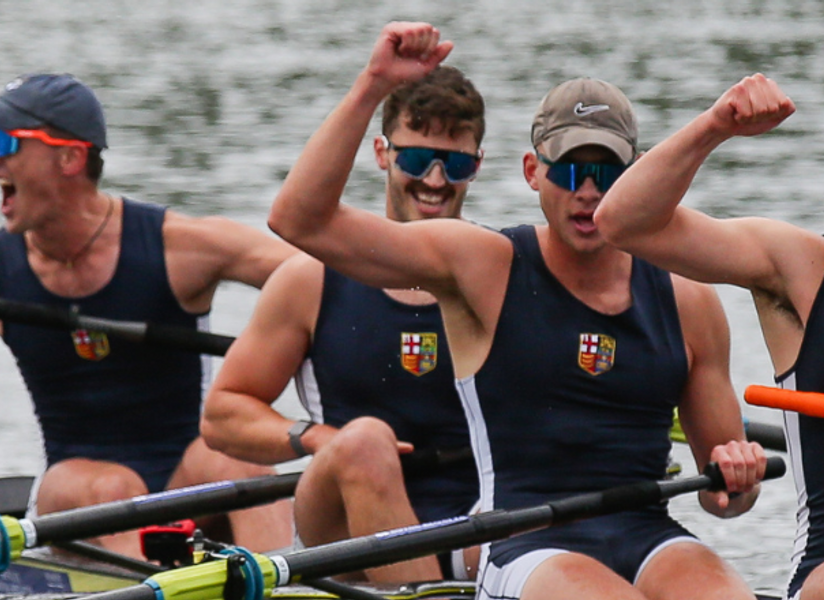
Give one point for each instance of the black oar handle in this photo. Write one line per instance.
(769, 436)
(172, 505)
(775, 469)
(57, 317)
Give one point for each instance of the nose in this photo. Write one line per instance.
(588, 189)
(435, 177)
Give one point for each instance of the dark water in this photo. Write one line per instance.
(209, 102)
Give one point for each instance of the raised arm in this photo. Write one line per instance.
(238, 418)
(709, 410)
(641, 212)
(307, 211)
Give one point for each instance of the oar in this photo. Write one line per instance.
(56, 317)
(122, 515)
(770, 437)
(181, 503)
(806, 403)
(263, 572)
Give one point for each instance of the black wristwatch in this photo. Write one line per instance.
(297, 430)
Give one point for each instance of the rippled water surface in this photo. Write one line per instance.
(209, 102)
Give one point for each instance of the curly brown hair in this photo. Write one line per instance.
(445, 98)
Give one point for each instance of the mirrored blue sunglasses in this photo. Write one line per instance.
(417, 161)
(8, 144)
(571, 175)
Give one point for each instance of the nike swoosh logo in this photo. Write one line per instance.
(583, 111)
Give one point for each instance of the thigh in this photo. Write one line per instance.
(80, 482)
(200, 464)
(554, 574)
(320, 514)
(690, 569)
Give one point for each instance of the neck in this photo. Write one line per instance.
(77, 236)
(600, 278)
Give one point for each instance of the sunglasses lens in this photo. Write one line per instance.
(608, 174)
(562, 175)
(8, 144)
(571, 176)
(460, 167)
(416, 162)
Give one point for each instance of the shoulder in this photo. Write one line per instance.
(703, 320)
(293, 292)
(218, 230)
(692, 296)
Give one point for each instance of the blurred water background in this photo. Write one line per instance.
(209, 102)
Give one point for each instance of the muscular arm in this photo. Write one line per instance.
(463, 265)
(307, 210)
(641, 212)
(202, 252)
(709, 410)
(238, 418)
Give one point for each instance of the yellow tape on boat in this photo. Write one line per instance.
(206, 581)
(16, 536)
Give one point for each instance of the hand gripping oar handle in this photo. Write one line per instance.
(206, 581)
(56, 317)
(806, 403)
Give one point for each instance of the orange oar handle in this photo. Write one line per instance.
(806, 403)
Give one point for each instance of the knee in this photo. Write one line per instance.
(116, 484)
(364, 447)
(76, 483)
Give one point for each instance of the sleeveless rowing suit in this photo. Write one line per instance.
(374, 356)
(102, 397)
(571, 400)
(805, 445)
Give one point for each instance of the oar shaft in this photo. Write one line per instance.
(189, 502)
(205, 582)
(56, 317)
(430, 538)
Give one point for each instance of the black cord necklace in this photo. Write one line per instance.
(69, 262)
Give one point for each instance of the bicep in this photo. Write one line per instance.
(263, 359)
(388, 254)
(748, 252)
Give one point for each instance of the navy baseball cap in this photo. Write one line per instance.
(61, 101)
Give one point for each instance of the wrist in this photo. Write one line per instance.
(296, 432)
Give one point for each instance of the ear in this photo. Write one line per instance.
(381, 157)
(73, 160)
(530, 165)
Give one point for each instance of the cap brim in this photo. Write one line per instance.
(575, 137)
(12, 117)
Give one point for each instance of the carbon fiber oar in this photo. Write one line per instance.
(264, 572)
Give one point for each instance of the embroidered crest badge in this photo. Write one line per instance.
(90, 345)
(419, 352)
(596, 353)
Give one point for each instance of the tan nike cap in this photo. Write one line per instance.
(585, 111)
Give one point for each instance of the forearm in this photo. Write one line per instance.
(644, 199)
(311, 193)
(245, 428)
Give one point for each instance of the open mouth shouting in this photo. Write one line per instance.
(8, 195)
(584, 223)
